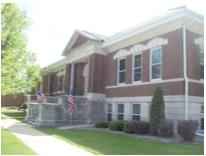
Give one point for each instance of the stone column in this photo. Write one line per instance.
(72, 78)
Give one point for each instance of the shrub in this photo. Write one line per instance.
(142, 127)
(130, 127)
(116, 125)
(157, 111)
(166, 129)
(102, 125)
(139, 127)
(186, 129)
(23, 107)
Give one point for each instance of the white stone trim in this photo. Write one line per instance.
(146, 99)
(146, 83)
(95, 96)
(201, 81)
(153, 43)
(121, 53)
(137, 49)
(200, 42)
(156, 42)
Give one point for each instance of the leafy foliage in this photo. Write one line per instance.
(138, 127)
(117, 125)
(186, 129)
(167, 129)
(102, 125)
(19, 73)
(157, 111)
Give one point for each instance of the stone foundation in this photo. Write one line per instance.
(87, 111)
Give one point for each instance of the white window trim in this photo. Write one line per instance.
(118, 61)
(118, 113)
(157, 79)
(135, 114)
(133, 67)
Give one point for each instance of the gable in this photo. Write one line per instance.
(78, 39)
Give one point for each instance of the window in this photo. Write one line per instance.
(202, 109)
(137, 69)
(109, 112)
(120, 112)
(201, 65)
(136, 112)
(156, 63)
(121, 70)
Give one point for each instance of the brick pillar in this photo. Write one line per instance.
(96, 73)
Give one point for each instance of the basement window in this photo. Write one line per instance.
(120, 113)
(136, 112)
(109, 112)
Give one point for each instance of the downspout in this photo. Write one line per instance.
(185, 70)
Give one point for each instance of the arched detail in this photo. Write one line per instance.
(200, 42)
(156, 42)
(138, 48)
(121, 53)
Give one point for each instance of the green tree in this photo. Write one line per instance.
(15, 55)
(157, 111)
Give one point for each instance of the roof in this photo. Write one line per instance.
(171, 15)
(55, 66)
(75, 37)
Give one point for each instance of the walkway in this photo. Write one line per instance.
(41, 143)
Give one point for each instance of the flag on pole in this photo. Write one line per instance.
(71, 102)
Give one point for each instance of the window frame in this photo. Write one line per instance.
(135, 114)
(134, 68)
(151, 65)
(118, 113)
(118, 70)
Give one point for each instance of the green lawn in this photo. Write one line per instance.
(107, 143)
(13, 112)
(10, 144)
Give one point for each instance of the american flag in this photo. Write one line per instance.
(71, 102)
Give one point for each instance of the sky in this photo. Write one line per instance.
(54, 21)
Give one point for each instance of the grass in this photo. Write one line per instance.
(13, 112)
(111, 144)
(12, 145)
(107, 143)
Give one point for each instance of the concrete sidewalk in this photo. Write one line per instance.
(41, 143)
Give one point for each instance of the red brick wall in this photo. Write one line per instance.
(97, 73)
(196, 89)
(193, 62)
(170, 88)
